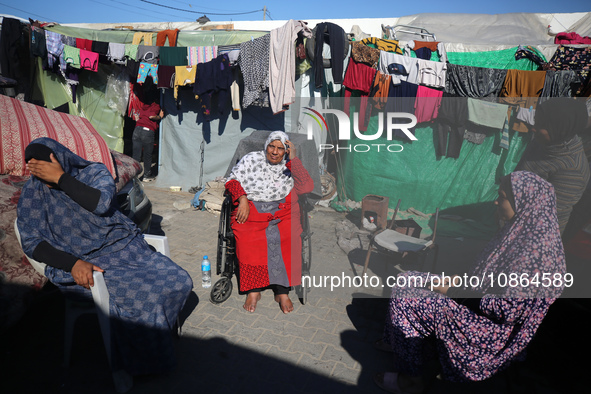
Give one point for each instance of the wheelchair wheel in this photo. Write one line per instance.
(221, 290)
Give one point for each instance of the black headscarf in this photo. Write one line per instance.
(38, 152)
(562, 117)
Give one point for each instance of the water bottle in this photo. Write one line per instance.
(205, 273)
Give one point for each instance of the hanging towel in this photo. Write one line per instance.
(493, 115)
(173, 56)
(198, 55)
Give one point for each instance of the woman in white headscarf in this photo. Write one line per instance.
(265, 187)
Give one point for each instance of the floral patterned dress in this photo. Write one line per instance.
(514, 281)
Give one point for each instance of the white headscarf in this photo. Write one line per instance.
(261, 180)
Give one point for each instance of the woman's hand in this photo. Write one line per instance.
(290, 150)
(82, 273)
(243, 209)
(49, 172)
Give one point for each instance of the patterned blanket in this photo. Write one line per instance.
(22, 122)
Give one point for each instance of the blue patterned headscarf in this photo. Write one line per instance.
(46, 214)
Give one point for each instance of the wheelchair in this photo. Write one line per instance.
(226, 259)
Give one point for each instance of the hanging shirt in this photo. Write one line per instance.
(184, 75)
(89, 60)
(410, 65)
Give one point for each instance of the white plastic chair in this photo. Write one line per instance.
(100, 296)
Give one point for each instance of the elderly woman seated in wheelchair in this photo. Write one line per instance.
(264, 187)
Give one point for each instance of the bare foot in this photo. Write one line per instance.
(251, 301)
(284, 303)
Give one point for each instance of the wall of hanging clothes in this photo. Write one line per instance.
(218, 86)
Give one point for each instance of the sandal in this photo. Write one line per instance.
(383, 346)
(388, 381)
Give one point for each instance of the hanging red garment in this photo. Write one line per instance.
(359, 77)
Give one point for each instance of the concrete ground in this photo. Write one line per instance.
(325, 345)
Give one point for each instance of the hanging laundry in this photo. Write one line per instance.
(55, 47)
(451, 125)
(559, 83)
(335, 37)
(364, 54)
(10, 37)
(147, 70)
(432, 73)
(571, 38)
(67, 40)
(100, 47)
(431, 45)
(72, 56)
(379, 90)
(571, 58)
(198, 55)
(383, 44)
(521, 89)
(527, 115)
(116, 53)
(131, 51)
(359, 77)
(532, 54)
(166, 76)
(493, 115)
(184, 75)
(173, 56)
(85, 44)
(409, 65)
(148, 54)
(427, 103)
(89, 60)
(213, 77)
(164, 34)
(38, 46)
(282, 63)
(477, 82)
(402, 97)
(139, 36)
(254, 64)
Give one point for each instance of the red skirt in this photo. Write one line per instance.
(269, 246)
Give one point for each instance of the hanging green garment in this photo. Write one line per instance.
(502, 59)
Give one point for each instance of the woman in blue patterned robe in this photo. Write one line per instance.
(67, 219)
